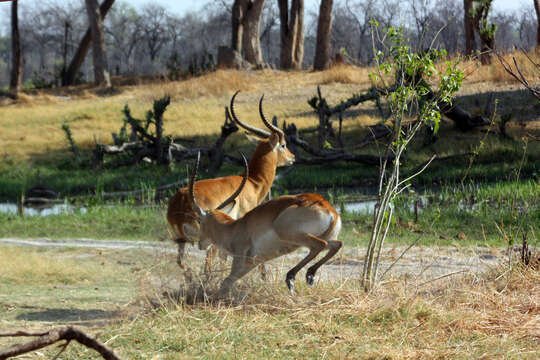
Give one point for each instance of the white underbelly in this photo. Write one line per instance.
(267, 245)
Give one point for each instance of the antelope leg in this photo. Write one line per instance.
(334, 246)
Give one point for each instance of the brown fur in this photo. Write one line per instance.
(211, 193)
(273, 229)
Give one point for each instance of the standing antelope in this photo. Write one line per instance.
(274, 228)
(270, 153)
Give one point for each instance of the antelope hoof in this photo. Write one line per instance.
(179, 262)
(290, 282)
(309, 279)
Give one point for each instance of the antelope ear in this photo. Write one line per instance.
(253, 139)
(191, 232)
(274, 140)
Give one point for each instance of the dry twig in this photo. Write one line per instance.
(67, 333)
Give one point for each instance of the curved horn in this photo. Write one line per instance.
(239, 190)
(266, 122)
(252, 129)
(196, 206)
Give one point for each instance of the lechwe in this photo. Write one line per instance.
(271, 152)
(274, 228)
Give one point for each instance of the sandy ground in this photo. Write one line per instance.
(419, 262)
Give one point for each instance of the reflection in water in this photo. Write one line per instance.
(44, 210)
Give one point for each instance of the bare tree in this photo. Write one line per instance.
(324, 27)
(292, 34)
(422, 14)
(469, 27)
(527, 27)
(506, 22)
(537, 8)
(153, 25)
(82, 50)
(123, 27)
(447, 16)
(269, 36)
(16, 53)
(361, 12)
(101, 71)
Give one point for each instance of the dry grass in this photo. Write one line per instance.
(492, 316)
(30, 266)
(496, 73)
(346, 74)
(33, 124)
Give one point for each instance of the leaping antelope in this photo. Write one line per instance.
(272, 229)
(270, 153)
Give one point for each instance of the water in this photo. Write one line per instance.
(44, 210)
(368, 206)
(360, 207)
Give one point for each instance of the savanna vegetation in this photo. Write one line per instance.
(467, 288)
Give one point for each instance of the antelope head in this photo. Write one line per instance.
(204, 229)
(275, 138)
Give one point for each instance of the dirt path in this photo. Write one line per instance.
(122, 273)
(420, 262)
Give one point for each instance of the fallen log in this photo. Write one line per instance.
(67, 333)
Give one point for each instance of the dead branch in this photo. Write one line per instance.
(216, 154)
(519, 76)
(67, 333)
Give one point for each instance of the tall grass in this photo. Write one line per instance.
(495, 71)
(346, 74)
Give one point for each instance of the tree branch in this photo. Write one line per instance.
(50, 337)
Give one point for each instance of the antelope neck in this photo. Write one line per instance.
(262, 168)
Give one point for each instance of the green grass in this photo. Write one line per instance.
(476, 214)
(63, 174)
(127, 222)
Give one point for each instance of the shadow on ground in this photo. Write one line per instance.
(68, 315)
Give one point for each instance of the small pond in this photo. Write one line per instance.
(41, 210)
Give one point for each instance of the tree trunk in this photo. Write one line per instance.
(251, 39)
(488, 44)
(469, 28)
(324, 26)
(101, 72)
(16, 55)
(82, 50)
(537, 8)
(485, 30)
(292, 34)
(238, 10)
